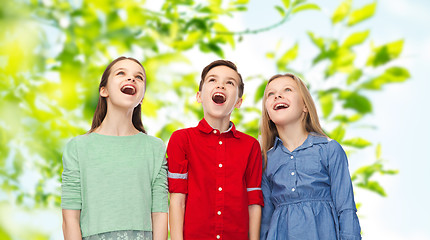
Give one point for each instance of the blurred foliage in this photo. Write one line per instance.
(53, 52)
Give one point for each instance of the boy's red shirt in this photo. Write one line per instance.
(221, 175)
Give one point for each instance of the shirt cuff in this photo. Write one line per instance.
(255, 196)
(178, 186)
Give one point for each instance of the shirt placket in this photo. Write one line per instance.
(220, 184)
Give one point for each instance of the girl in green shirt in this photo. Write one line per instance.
(115, 177)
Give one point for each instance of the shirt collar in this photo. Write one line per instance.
(313, 138)
(206, 128)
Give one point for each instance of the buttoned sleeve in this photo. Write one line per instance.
(253, 175)
(342, 193)
(71, 180)
(177, 163)
(159, 184)
(268, 208)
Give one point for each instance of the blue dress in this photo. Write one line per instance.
(308, 193)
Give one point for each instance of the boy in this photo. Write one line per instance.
(214, 170)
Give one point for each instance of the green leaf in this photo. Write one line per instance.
(308, 6)
(346, 119)
(391, 75)
(356, 38)
(362, 14)
(374, 187)
(354, 76)
(385, 53)
(341, 12)
(338, 133)
(286, 3)
(327, 104)
(297, 2)
(378, 151)
(260, 92)
(280, 10)
(288, 56)
(356, 101)
(241, 2)
(357, 142)
(318, 41)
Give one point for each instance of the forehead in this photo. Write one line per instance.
(224, 72)
(282, 81)
(128, 64)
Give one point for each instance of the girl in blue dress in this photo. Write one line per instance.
(306, 184)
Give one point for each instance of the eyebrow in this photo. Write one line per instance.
(214, 75)
(127, 69)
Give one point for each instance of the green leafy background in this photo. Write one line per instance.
(52, 54)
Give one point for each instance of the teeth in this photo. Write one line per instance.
(127, 89)
(281, 105)
(218, 98)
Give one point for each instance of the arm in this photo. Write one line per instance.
(71, 225)
(176, 215)
(342, 193)
(178, 182)
(71, 202)
(268, 208)
(253, 186)
(254, 221)
(159, 226)
(160, 207)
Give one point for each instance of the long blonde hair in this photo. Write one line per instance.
(268, 129)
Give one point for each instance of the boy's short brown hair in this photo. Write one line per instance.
(222, 63)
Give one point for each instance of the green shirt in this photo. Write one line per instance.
(116, 181)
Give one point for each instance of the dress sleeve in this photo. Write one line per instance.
(253, 176)
(159, 184)
(268, 208)
(177, 163)
(342, 193)
(71, 180)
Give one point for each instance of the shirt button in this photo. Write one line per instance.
(292, 173)
(220, 142)
(220, 165)
(293, 189)
(219, 212)
(218, 236)
(214, 131)
(292, 157)
(220, 189)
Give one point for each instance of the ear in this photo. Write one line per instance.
(305, 109)
(104, 92)
(238, 103)
(199, 97)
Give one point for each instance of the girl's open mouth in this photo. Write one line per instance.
(128, 89)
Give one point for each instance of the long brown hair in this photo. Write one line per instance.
(101, 109)
(268, 128)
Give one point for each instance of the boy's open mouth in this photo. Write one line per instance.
(128, 89)
(280, 106)
(218, 98)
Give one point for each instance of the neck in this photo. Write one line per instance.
(292, 135)
(222, 124)
(118, 122)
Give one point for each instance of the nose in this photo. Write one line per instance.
(279, 96)
(220, 86)
(131, 79)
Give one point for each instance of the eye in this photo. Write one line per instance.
(139, 77)
(288, 90)
(230, 82)
(270, 94)
(211, 80)
(120, 73)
